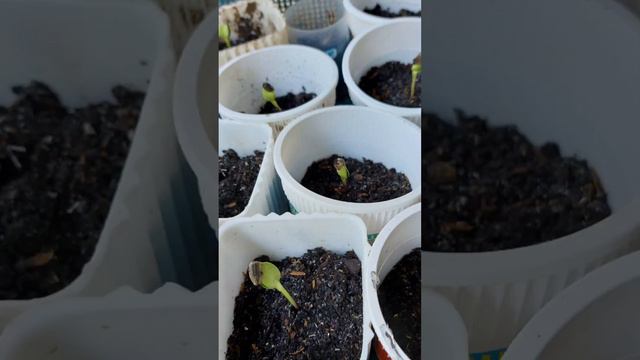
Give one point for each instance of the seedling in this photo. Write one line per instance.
(269, 95)
(224, 33)
(267, 275)
(341, 168)
(416, 69)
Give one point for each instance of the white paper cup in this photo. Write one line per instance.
(82, 62)
(397, 239)
(584, 97)
(444, 335)
(288, 68)
(351, 131)
(272, 23)
(595, 318)
(360, 22)
(245, 139)
(171, 323)
(396, 40)
(244, 239)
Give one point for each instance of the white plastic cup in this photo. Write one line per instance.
(245, 139)
(272, 22)
(585, 98)
(444, 335)
(171, 323)
(395, 40)
(360, 22)
(351, 131)
(244, 239)
(595, 318)
(288, 68)
(397, 239)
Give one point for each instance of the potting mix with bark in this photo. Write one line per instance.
(246, 27)
(400, 301)
(390, 83)
(328, 323)
(59, 169)
(368, 181)
(489, 188)
(288, 102)
(236, 178)
(387, 13)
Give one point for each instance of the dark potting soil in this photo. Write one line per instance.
(244, 26)
(59, 169)
(368, 181)
(237, 176)
(488, 188)
(387, 13)
(328, 324)
(400, 301)
(287, 102)
(391, 84)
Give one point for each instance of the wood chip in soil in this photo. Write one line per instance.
(59, 169)
(368, 181)
(400, 301)
(489, 188)
(237, 176)
(390, 83)
(328, 324)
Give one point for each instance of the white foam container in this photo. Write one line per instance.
(244, 239)
(402, 39)
(245, 138)
(351, 131)
(171, 323)
(401, 235)
(360, 22)
(584, 97)
(595, 318)
(82, 57)
(444, 335)
(272, 22)
(287, 68)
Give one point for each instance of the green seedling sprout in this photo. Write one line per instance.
(224, 33)
(341, 168)
(416, 69)
(269, 95)
(267, 275)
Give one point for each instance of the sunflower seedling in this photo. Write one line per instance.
(341, 168)
(416, 69)
(267, 275)
(224, 33)
(269, 95)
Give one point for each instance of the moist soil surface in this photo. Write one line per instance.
(59, 169)
(379, 11)
(368, 181)
(489, 188)
(237, 176)
(390, 83)
(328, 324)
(400, 301)
(244, 28)
(287, 102)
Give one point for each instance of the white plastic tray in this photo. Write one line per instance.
(561, 71)
(74, 47)
(171, 323)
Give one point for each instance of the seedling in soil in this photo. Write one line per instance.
(269, 95)
(416, 69)
(341, 168)
(268, 276)
(224, 33)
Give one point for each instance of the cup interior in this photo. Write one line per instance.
(355, 132)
